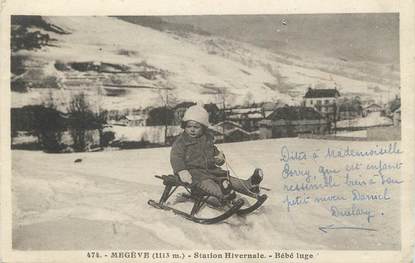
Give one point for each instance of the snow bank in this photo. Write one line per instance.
(101, 203)
(152, 134)
(358, 134)
(372, 120)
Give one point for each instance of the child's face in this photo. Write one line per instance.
(193, 129)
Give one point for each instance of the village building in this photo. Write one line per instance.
(134, 120)
(247, 118)
(226, 126)
(269, 107)
(373, 107)
(130, 120)
(323, 100)
(238, 135)
(231, 131)
(290, 121)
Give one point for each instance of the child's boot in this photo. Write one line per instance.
(255, 179)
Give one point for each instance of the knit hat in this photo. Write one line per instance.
(196, 113)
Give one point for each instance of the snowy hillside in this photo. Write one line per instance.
(101, 203)
(192, 65)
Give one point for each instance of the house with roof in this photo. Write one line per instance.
(248, 117)
(289, 121)
(238, 135)
(132, 120)
(230, 131)
(268, 107)
(323, 100)
(373, 107)
(225, 126)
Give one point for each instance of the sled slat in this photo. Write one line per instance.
(234, 209)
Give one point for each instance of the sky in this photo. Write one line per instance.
(358, 37)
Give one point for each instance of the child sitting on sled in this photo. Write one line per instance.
(196, 160)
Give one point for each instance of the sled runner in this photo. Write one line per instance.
(201, 198)
(245, 209)
(249, 209)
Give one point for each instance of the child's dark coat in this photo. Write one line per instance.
(197, 156)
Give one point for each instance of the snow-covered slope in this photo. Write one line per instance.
(101, 203)
(194, 66)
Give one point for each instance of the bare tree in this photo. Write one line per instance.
(167, 100)
(48, 125)
(82, 119)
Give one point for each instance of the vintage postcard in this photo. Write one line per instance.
(201, 132)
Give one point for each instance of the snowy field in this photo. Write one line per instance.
(359, 134)
(101, 203)
(373, 119)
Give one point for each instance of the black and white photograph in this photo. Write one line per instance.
(238, 137)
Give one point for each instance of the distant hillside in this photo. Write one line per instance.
(158, 23)
(358, 37)
(123, 65)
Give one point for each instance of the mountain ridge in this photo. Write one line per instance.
(116, 52)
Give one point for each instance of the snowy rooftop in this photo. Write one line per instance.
(321, 93)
